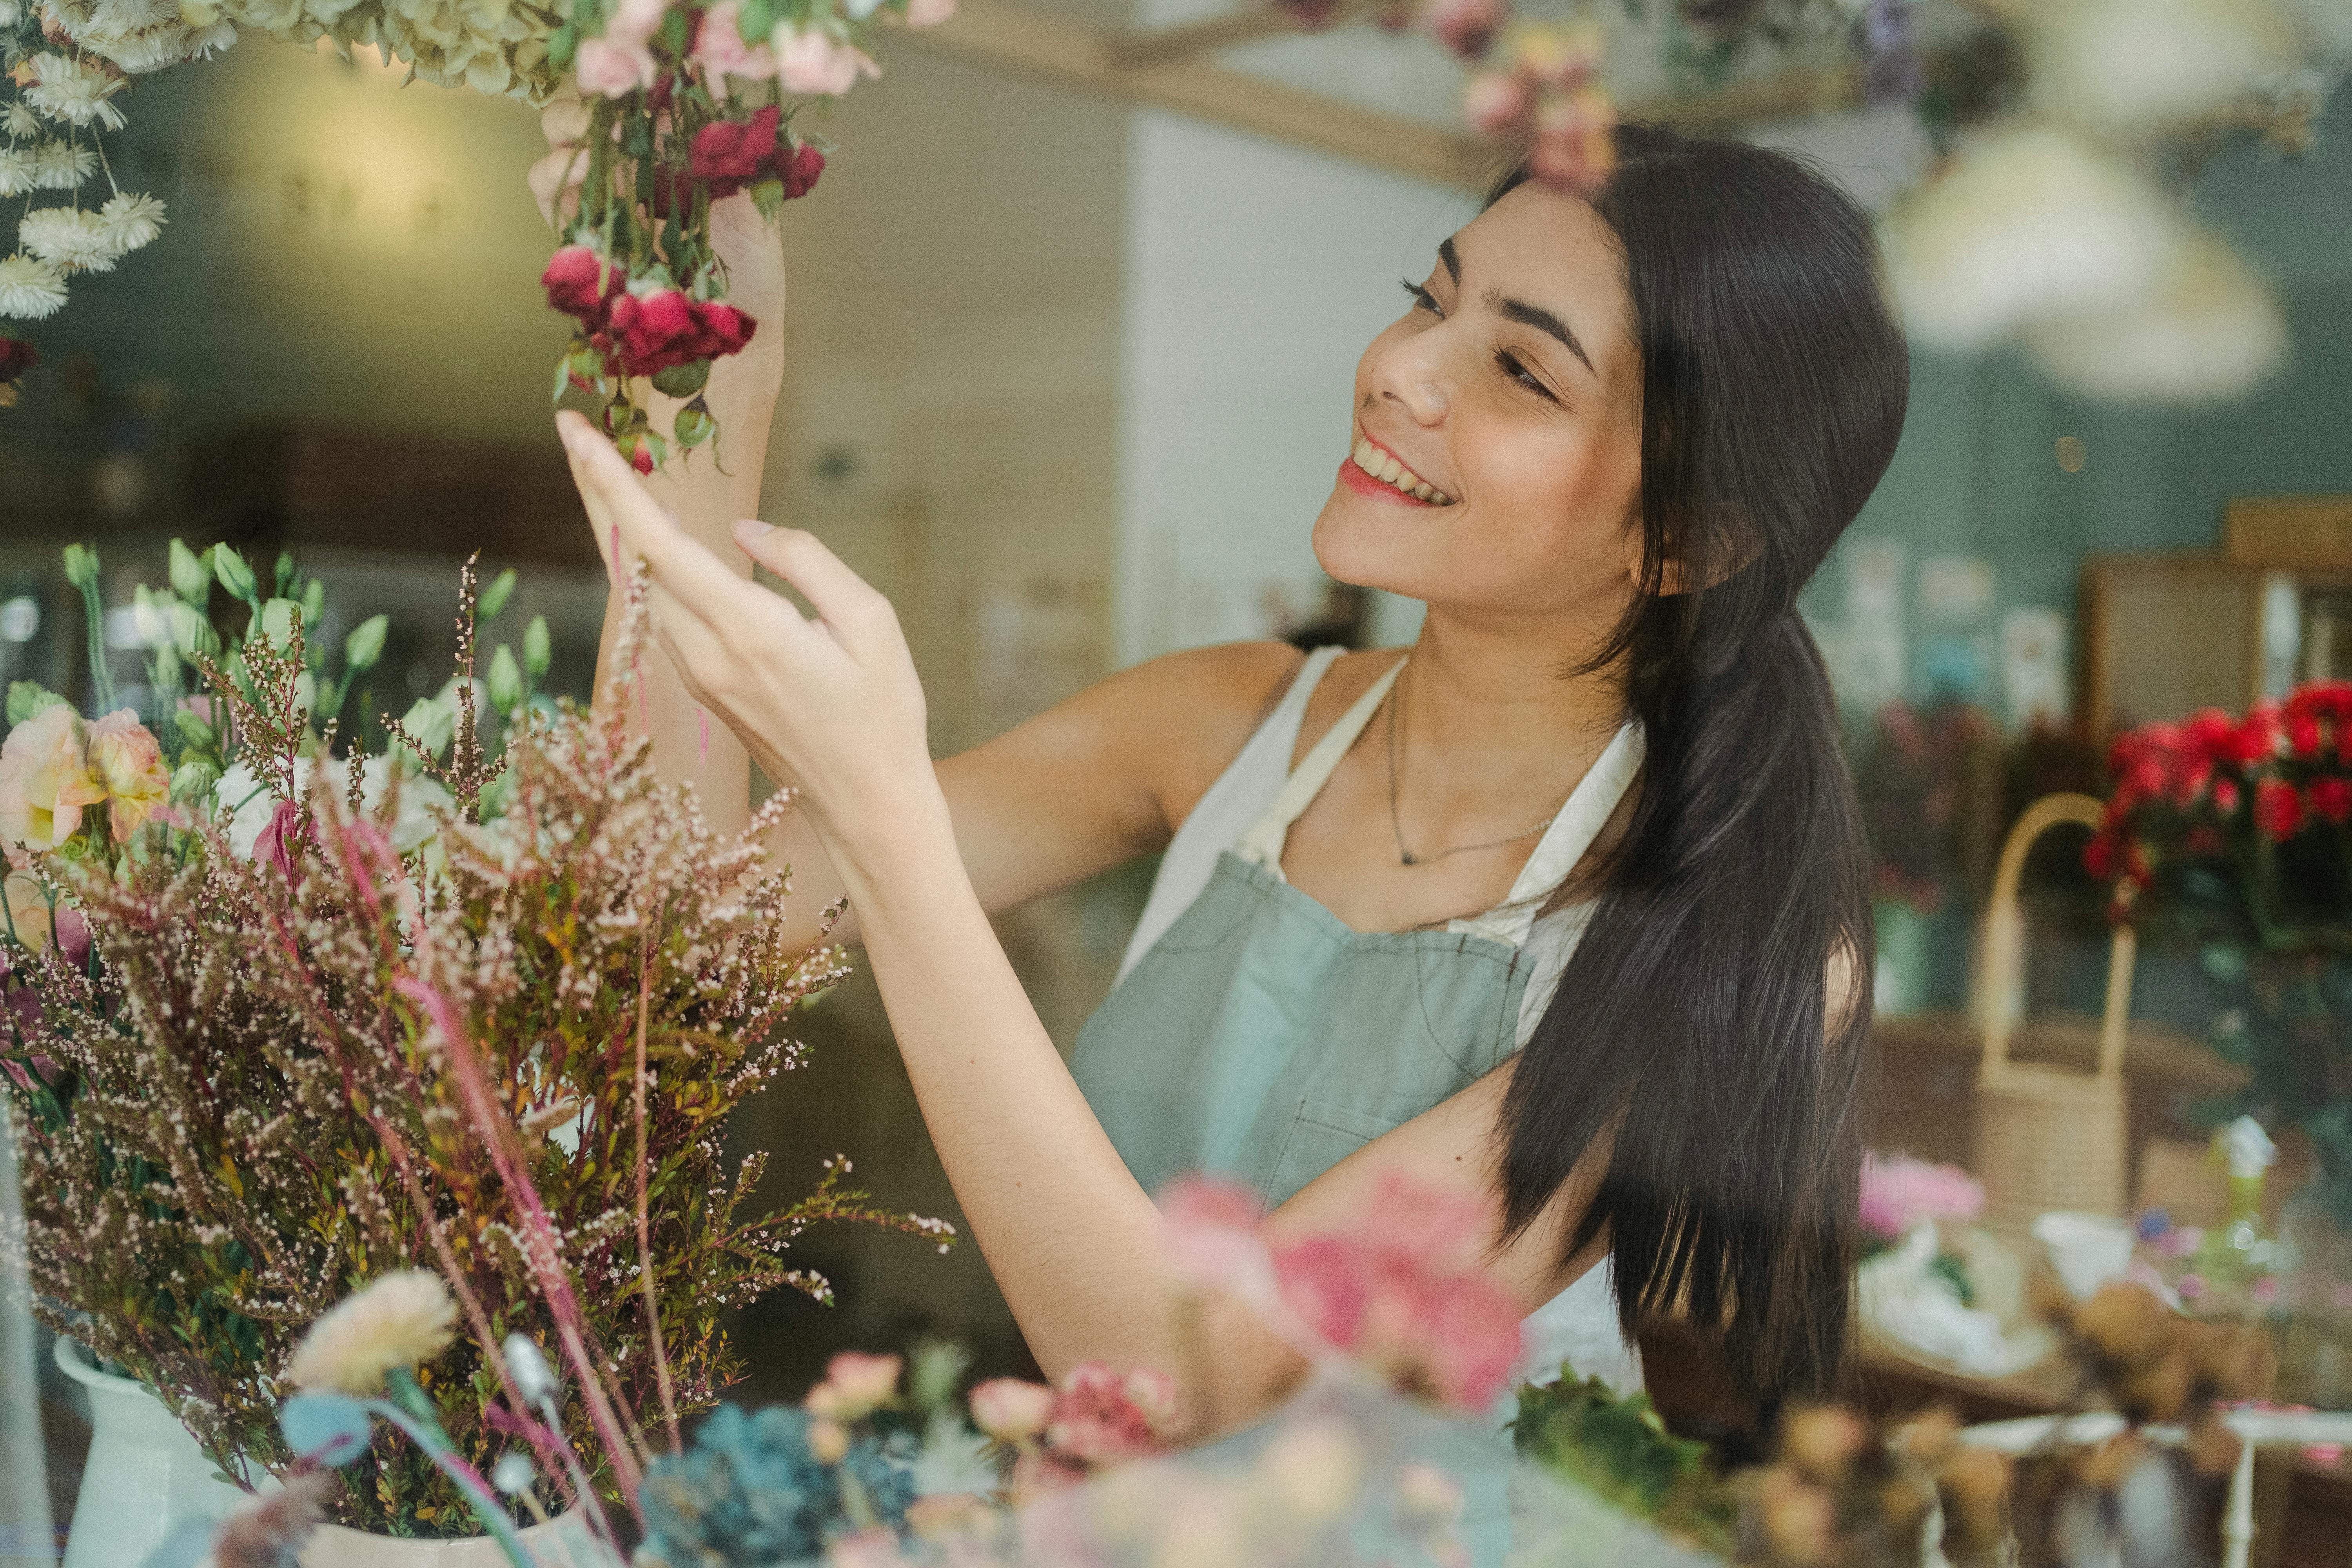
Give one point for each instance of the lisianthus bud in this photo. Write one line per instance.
(277, 623)
(81, 565)
(537, 653)
(193, 781)
(190, 579)
(365, 645)
(492, 599)
(505, 681)
(232, 573)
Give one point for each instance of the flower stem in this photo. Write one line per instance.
(428, 1435)
(645, 1223)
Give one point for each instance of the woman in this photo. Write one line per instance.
(1568, 900)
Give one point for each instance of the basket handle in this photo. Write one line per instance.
(2005, 948)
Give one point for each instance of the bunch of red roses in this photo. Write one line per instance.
(644, 326)
(2212, 785)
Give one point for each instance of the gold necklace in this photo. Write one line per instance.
(1396, 827)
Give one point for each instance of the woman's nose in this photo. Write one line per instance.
(1407, 376)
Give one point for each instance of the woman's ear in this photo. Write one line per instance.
(1673, 578)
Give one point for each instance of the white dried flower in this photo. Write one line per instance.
(2211, 330)
(2027, 223)
(11, 12)
(533, 1378)
(398, 1320)
(19, 120)
(116, 17)
(514, 1474)
(131, 219)
(18, 172)
(66, 89)
(67, 238)
(2138, 67)
(60, 165)
(30, 289)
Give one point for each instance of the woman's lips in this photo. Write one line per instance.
(1363, 484)
(1389, 470)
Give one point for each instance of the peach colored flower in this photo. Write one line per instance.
(929, 13)
(1011, 1410)
(854, 1386)
(612, 69)
(808, 60)
(719, 49)
(28, 913)
(130, 764)
(45, 780)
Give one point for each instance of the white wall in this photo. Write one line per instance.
(1255, 275)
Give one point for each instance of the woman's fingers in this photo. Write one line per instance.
(555, 179)
(564, 121)
(846, 602)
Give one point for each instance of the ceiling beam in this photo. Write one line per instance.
(1163, 45)
(1005, 35)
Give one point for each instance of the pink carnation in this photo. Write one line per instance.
(1011, 1410)
(633, 22)
(720, 49)
(129, 764)
(1102, 1415)
(1899, 1193)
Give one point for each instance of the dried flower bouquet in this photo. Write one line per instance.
(504, 1056)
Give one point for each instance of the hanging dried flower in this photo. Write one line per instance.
(30, 289)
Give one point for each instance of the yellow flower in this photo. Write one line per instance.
(45, 780)
(399, 1319)
(128, 761)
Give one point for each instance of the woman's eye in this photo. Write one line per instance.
(1516, 370)
(1422, 298)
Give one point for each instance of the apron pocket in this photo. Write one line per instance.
(1323, 1133)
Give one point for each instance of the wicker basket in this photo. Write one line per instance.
(2047, 1137)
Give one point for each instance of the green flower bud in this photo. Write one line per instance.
(232, 573)
(196, 732)
(693, 426)
(27, 697)
(365, 645)
(505, 681)
(191, 578)
(431, 723)
(81, 566)
(314, 602)
(167, 665)
(306, 693)
(277, 623)
(683, 380)
(535, 649)
(494, 599)
(191, 633)
(193, 781)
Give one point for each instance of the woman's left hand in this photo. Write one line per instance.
(830, 706)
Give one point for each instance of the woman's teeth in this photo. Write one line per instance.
(1396, 474)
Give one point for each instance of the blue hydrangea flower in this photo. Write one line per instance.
(747, 1493)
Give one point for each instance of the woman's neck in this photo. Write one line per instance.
(1482, 697)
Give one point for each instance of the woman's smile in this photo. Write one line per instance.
(1373, 469)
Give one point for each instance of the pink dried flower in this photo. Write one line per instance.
(276, 847)
(1464, 26)
(1495, 102)
(269, 1531)
(1899, 1193)
(611, 68)
(809, 60)
(720, 49)
(633, 21)
(1211, 1230)
(45, 780)
(1097, 1420)
(1011, 1410)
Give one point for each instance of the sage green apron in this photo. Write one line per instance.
(1263, 1039)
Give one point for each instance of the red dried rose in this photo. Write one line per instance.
(2225, 797)
(16, 357)
(2278, 808)
(730, 154)
(800, 171)
(582, 283)
(2332, 798)
(723, 329)
(652, 330)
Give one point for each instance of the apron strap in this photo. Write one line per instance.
(1262, 842)
(1590, 806)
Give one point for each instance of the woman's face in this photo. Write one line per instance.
(1511, 387)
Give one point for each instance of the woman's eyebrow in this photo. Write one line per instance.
(1538, 318)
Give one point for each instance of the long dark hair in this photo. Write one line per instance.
(1708, 1029)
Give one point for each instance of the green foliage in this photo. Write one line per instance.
(1620, 1450)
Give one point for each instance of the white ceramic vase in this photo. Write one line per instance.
(565, 1543)
(146, 1478)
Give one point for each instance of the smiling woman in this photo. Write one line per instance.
(1606, 446)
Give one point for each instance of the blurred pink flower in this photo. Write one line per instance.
(1211, 1230)
(808, 60)
(1899, 1193)
(1011, 1410)
(633, 22)
(1466, 27)
(612, 69)
(1495, 102)
(720, 49)
(929, 13)
(276, 845)
(2263, 1290)
(45, 780)
(128, 761)
(1098, 1418)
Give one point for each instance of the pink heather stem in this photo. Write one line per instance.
(644, 1220)
(543, 1252)
(702, 721)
